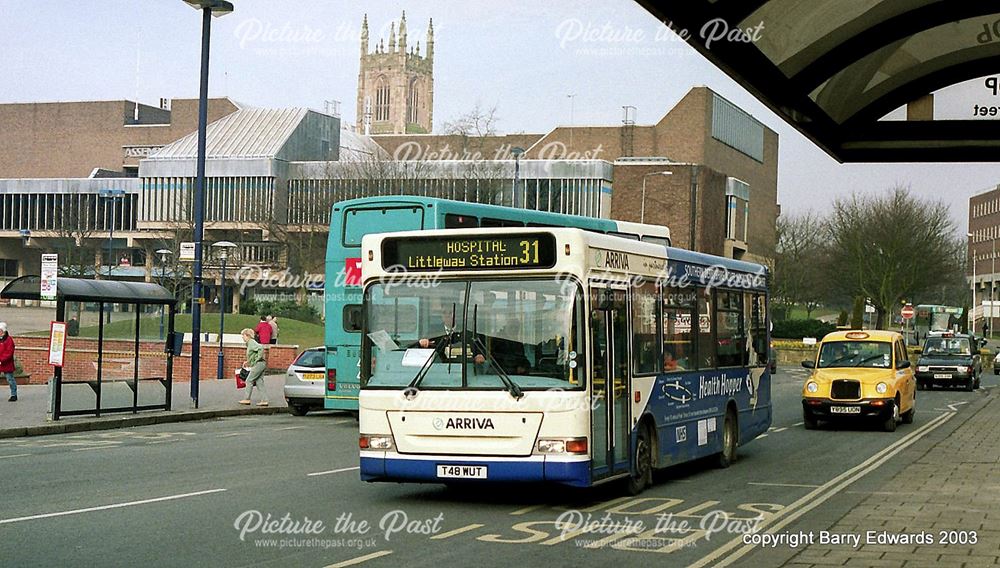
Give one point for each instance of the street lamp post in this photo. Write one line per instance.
(163, 266)
(114, 195)
(993, 277)
(208, 9)
(642, 205)
(223, 247)
(516, 151)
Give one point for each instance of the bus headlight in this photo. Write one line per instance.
(812, 386)
(376, 442)
(881, 388)
(562, 446)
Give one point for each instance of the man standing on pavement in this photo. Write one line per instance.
(274, 329)
(263, 331)
(7, 360)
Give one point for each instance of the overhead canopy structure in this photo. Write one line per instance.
(81, 290)
(833, 68)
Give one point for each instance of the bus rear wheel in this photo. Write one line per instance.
(642, 458)
(730, 439)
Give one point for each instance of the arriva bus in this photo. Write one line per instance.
(351, 220)
(555, 355)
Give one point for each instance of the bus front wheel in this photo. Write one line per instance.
(730, 439)
(642, 458)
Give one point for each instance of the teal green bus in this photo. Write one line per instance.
(353, 219)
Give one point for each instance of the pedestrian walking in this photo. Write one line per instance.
(263, 331)
(255, 362)
(274, 329)
(7, 360)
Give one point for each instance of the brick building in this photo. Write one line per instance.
(984, 234)
(74, 139)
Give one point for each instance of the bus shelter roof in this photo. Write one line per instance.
(82, 290)
(834, 68)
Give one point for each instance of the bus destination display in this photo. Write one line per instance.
(512, 252)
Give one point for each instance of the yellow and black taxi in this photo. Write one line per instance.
(860, 375)
(949, 359)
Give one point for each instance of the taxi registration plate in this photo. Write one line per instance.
(845, 410)
(462, 471)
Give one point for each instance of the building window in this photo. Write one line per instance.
(8, 269)
(737, 209)
(412, 105)
(381, 99)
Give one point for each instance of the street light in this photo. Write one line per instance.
(517, 151)
(208, 9)
(114, 195)
(223, 247)
(163, 266)
(642, 206)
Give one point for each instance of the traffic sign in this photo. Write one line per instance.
(187, 251)
(907, 312)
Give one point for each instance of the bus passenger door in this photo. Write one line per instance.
(609, 381)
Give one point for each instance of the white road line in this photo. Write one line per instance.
(460, 530)
(341, 470)
(818, 496)
(344, 421)
(528, 509)
(105, 507)
(782, 484)
(231, 434)
(291, 428)
(798, 424)
(361, 559)
(781, 429)
(14, 456)
(95, 448)
(762, 436)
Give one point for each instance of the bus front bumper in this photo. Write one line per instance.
(573, 471)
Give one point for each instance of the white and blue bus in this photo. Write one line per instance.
(555, 355)
(352, 219)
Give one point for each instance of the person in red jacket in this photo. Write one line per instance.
(7, 360)
(263, 331)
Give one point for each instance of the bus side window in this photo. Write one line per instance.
(706, 338)
(730, 329)
(452, 221)
(678, 339)
(629, 236)
(645, 330)
(352, 318)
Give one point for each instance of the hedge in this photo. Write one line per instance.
(799, 328)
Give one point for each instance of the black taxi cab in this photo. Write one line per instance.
(949, 359)
(860, 375)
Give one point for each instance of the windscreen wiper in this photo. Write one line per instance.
(515, 391)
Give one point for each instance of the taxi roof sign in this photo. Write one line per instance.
(857, 335)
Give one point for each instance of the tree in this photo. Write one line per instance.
(858, 313)
(798, 272)
(889, 247)
(478, 122)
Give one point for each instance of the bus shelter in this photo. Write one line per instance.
(125, 365)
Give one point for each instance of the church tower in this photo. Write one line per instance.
(396, 83)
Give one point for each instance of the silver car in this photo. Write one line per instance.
(305, 387)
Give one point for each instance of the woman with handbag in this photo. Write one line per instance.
(256, 364)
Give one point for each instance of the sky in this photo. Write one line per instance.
(542, 64)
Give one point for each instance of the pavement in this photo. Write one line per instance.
(29, 415)
(950, 495)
